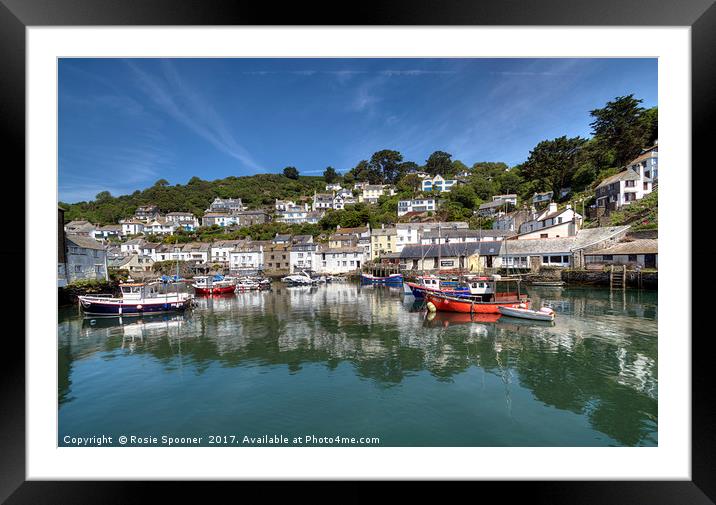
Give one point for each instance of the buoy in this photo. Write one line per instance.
(431, 307)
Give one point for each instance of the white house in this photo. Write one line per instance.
(216, 218)
(303, 256)
(246, 257)
(161, 226)
(322, 201)
(437, 183)
(220, 251)
(107, 231)
(283, 205)
(626, 186)
(131, 227)
(342, 198)
(412, 233)
(551, 222)
(333, 187)
(417, 205)
(185, 219)
(372, 192)
(343, 260)
(647, 164)
(132, 246)
(226, 205)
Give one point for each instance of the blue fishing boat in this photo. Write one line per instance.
(137, 299)
(431, 283)
(390, 280)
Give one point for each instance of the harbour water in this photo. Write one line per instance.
(342, 360)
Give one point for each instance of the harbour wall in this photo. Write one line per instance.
(634, 279)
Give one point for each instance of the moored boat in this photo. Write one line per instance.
(430, 283)
(543, 314)
(137, 299)
(392, 279)
(497, 292)
(213, 285)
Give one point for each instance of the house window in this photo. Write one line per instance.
(607, 257)
(646, 186)
(545, 259)
(565, 259)
(630, 184)
(543, 235)
(98, 269)
(632, 257)
(74, 250)
(78, 269)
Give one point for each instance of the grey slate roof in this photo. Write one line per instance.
(537, 246)
(443, 250)
(84, 242)
(626, 175)
(463, 232)
(640, 246)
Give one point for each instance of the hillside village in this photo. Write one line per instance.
(506, 232)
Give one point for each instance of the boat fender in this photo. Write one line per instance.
(522, 305)
(431, 307)
(139, 307)
(546, 310)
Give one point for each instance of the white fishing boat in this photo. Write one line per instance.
(543, 314)
(302, 279)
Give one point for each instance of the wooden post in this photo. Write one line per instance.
(611, 277)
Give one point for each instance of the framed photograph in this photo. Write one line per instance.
(425, 246)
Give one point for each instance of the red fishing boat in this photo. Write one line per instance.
(216, 285)
(499, 293)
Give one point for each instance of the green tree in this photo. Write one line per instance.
(387, 164)
(330, 175)
(552, 163)
(290, 172)
(439, 162)
(619, 127)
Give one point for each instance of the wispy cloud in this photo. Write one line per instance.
(119, 170)
(188, 107)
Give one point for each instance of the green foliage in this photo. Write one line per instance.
(439, 162)
(623, 128)
(195, 196)
(291, 173)
(640, 214)
(553, 163)
(330, 175)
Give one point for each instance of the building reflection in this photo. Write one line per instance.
(597, 357)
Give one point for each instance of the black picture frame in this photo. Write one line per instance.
(16, 15)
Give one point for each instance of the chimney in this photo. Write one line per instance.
(552, 207)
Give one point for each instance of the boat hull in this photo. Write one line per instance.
(123, 308)
(455, 304)
(222, 290)
(396, 279)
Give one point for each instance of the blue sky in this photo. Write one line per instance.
(125, 123)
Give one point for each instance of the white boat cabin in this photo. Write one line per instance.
(139, 291)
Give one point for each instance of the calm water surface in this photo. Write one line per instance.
(367, 361)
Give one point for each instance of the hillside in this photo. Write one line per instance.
(641, 215)
(195, 196)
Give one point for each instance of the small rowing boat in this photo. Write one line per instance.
(543, 314)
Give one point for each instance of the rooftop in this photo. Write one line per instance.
(625, 175)
(441, 250)
(84, 242)
(640, 246)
